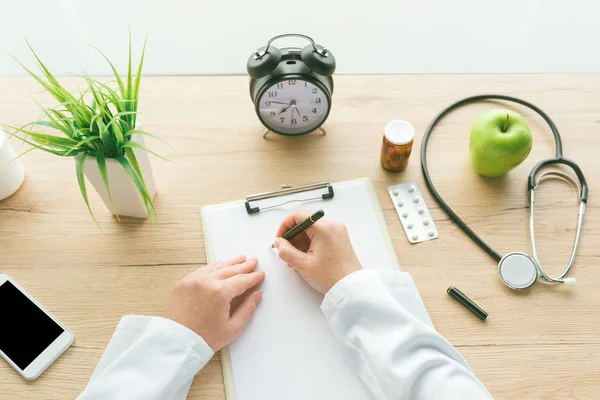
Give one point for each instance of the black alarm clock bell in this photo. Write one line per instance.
(291, 87)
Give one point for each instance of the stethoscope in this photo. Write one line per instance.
(517, 270)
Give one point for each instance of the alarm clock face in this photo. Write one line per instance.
(293, 106)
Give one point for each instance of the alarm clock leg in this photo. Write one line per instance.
(323, 132)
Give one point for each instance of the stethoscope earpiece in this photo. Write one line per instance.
(517, 270)
(570, 282)
(582, 191)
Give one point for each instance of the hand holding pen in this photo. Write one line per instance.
(321, 252)
(302, 226)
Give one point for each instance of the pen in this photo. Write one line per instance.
(467, 302)
(302, 226)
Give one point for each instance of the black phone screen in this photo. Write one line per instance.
(25, 330)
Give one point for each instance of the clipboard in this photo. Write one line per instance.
(287, 351)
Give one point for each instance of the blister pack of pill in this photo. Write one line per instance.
(413, 212)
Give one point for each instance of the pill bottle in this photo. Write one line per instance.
(397, 143)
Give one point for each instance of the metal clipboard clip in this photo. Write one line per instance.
(286, 190)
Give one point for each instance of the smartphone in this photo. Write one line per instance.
(30, 337)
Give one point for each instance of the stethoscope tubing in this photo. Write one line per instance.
(532, 183)
(583, 186)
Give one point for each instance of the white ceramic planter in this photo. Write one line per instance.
(126, 198)
(12, 172)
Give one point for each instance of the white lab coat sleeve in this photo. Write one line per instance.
(385, 332)
(148, 358)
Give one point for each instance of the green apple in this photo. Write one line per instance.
(500, 140)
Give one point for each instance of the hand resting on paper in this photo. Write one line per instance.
(377, 318)
(202, 300)
(322, 254)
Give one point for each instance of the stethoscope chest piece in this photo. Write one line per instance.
(517, 270)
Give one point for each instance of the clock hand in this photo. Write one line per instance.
(284, 109)
(292, 104)
(279, 102)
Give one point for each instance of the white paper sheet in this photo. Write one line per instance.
(287, 351)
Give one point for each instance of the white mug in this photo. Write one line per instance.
(12, 172)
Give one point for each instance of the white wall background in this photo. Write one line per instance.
(376, 36)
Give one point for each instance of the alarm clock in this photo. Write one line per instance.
(291, 87)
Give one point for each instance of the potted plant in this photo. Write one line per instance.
(98, 128)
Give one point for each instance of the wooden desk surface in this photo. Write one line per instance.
(539, 344)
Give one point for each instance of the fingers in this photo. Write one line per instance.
(239, 284)
(292, 220)
(301, 242)
(244, 267)
(291, 255)
(242, 314)
(222, 264)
